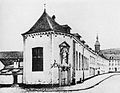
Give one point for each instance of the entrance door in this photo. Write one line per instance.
(92, 71)
(115, 69)
(98, 72)
(64, 77)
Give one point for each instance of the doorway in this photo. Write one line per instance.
(115, 69)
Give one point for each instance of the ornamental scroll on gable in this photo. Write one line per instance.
(64, 53)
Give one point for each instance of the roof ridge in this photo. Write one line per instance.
(49, 23)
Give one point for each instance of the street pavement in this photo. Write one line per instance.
(91, 83)
(106, 83)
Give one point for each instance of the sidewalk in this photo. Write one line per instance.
(90, 83)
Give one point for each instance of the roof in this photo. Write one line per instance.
(114, 53)
(46, 23)
(102, 55)
(9, 71)
(11, 54)
(7, 57)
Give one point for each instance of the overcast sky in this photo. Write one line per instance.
(86, 17)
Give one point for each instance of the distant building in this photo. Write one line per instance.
(12, 58)
(114, 59)
(12, 66)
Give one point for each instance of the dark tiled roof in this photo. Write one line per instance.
(114, 53)
(8, 57)
(46, 23)
(11, 54)
(102, 55)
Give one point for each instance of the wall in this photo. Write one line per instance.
(37, 77)
(103, 64)
(79, 70)
(51, 55)
(114, 63)
(57, 40)
(6, 79)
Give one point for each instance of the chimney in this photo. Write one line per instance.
(77, 35)
(53, 17)
(83, 41)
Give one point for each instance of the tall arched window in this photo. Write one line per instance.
(37, 59)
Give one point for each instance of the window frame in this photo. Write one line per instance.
(37, 59)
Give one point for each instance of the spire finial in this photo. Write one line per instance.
(44, 5)
(97, 37)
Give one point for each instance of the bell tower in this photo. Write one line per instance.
(97, 45)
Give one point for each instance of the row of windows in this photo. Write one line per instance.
(114, 60)
(114, 68)
(112, 64)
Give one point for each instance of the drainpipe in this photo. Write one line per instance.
(52, 54)
(83, 64)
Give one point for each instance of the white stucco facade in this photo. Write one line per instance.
(51, 55)
(29, 76)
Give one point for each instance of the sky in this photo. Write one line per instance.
(86, 17)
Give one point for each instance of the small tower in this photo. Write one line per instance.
(97, 45)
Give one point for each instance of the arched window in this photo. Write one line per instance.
(37, 59)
